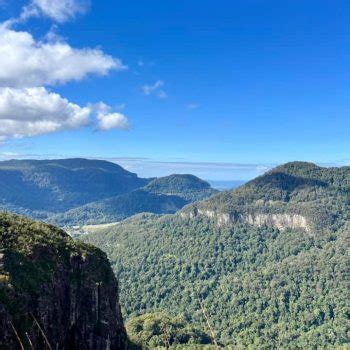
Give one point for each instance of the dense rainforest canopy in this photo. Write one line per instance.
(263, 286)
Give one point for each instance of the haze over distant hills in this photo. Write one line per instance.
(79, 191)
(222, 185)
(269, 260)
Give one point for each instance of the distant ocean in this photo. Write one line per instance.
(226, 184)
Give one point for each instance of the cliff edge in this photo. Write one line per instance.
(55, 293)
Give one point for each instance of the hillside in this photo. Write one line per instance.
(189, 187)
(58, 185)
(294, 195)
(81, 191)
(55, 291)
(120, 207)
(164, 195)
(269, 260)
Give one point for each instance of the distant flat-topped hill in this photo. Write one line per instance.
(58, 185)
(95, 191)
(269, 260)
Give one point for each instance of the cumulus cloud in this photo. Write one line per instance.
(26, 62)
(58, 10)
(108, 120)
(36, 111)
(156, 89)
(28, 66)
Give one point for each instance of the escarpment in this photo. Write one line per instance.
(297, 196)
(269, 261)
(280, 221)
(54, 292)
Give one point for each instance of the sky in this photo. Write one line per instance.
(222, 89)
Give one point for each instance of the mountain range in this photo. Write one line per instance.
(81, 191)
(268, 261)
(264, 266)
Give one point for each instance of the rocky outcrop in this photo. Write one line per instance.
(280, 221)
(55, 293)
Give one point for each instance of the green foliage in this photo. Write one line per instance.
(34, 252)
(49, 186)
(51, 279)
(263, 288)
(188, 187)
(158, 329)
(70, 192)
(164, 195)
(120, 207)
(322, 195)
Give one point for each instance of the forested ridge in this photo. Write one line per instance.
(263, 287)
(55, 293)
(79, 191)
(163, 195)
(188, 187)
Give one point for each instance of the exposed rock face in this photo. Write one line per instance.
(279, 221)
(55, 293)
(221, 218)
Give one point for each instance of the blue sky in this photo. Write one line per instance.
(223, 89)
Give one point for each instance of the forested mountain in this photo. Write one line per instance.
(120, 207)
(59, 185)
(55, 293)
(163, 195)
(188, 187)
(270, 260)
(80, 191)
(294, 195)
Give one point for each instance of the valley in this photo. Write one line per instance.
(269, 260)
(265, 264)
(71, 192)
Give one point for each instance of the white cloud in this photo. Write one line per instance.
(155, 89)
(113, 121)
(27, 66)
(120, 107)
(26, 62)
(36, 111)
(148, 89)
(162, 94)
(108, 120)
(58, 10)
(192, 106)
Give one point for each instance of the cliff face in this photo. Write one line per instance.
(280, 221)
(54, 292)
(297, 196)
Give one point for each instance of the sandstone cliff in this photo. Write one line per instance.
(55, 293)
(296, 196)
(280, 221)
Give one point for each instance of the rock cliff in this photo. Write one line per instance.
(296, 196)
(280, 221)
(55, 293)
